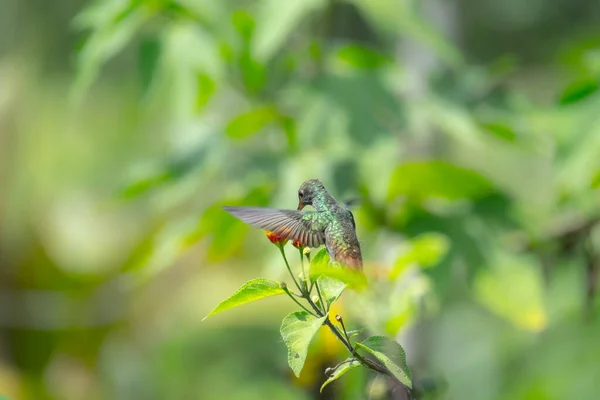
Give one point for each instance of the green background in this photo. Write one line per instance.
(469, 129)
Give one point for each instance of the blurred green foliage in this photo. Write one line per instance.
(470, 129)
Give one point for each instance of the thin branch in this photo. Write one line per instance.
(287, 291)
(287, 264)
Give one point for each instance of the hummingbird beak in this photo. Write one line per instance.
(300, 205)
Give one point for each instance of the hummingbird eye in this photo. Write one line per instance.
(301, 193)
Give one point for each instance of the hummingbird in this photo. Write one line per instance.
(331, 224)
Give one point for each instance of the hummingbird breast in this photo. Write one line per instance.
(342, 244)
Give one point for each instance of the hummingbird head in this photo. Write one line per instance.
(308, 191)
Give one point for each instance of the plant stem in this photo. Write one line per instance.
(287, 264)
(341, 321)
(325, 306)
(324, 313)
(287, 291)
(304, 277)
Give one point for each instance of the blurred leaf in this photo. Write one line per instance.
(289, 128)
(278, 19)
(149, 56)
(596, 181)
(501, 131)
(366, 101)
(354, 279)
(579, 90)
(244, 23)
(422, 180)
(145, 184)
(400, 18)
(425, 250)
(361, 57)
(205, 89)
(297, 331)
(513, 289)
(340, 370)
(391, 355)
(175, 168)
(253, 290)
(251, 122)
(398, 321)
(254, 73)
(334, 276)
(110, 36)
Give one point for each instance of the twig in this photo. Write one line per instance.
(287, 264)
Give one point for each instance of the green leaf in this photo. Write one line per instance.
(361, 57)
(320, 260)
(333, 277)
(251, 122)
(502, 131)
(391, 355)
(205, 89)
(330, 288)
(253, 290)
(113, 28)
(425, 250)
(595, 184)
(401, 18)
(422, 180)
(297, 330)
(340, 370)
(353, 279)
(513, 288)
(579, 90)
(149, 57)
(277, 20)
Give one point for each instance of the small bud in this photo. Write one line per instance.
(338, 318)
(283, 285)
(306, 250)
(297, 244)
(315, 299)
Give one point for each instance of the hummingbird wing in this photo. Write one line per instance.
(307, 227)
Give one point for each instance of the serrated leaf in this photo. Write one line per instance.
(390, 354)
(331, 288)
(340, 370)
(297, 331)
(253, 290)
(251, 122)
(278, 19)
